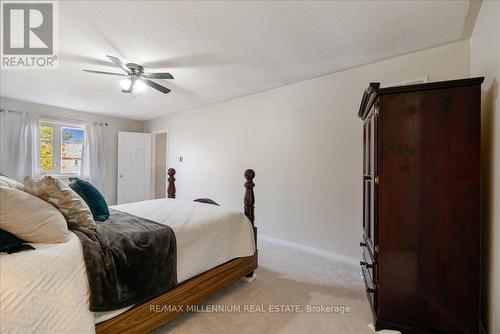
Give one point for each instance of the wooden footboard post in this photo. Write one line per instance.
(249, 201)
(171, 183)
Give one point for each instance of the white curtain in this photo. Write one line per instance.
(20, 149)
(94, 156)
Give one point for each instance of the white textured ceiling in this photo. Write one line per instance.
(221, 50)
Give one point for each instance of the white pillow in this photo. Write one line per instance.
(7, 182)
(30, 218)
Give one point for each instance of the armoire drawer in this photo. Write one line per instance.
(367, 247)
(368, 264)
(371, 288)
(368, 255)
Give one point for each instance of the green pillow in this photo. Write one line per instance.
(92, 197)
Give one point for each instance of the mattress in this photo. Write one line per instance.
(46, 290)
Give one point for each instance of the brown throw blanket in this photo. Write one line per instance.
(128, 259)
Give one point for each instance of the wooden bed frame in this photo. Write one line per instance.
(152, 313)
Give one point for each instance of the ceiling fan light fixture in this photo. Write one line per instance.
(139, 86)
(125, 84)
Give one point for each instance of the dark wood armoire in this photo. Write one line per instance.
(421, 206)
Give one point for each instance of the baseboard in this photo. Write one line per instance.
(311, 250)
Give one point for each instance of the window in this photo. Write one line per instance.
(71, 150)
(61, 148)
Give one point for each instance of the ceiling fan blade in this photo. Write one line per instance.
(158, 75)
(101, 72)
(76, 58)
(119, 63)
(156, 86)
(191, 60)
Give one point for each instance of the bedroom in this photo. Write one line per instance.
(260, 117)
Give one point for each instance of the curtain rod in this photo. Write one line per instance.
(56, 118)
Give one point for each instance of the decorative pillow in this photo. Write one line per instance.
(65, 199)
(9, 183)
(92, 197)
(30, 218)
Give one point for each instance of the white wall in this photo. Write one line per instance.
(485, 61)
(304, 142)
(115, 125)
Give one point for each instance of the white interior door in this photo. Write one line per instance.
(134, 167)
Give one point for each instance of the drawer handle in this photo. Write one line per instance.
(366, 264)
(363, 244)
(370, 290)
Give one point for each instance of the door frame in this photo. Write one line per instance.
(153, 158)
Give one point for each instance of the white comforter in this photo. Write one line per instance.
(46, 290)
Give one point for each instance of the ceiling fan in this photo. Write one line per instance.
(137, 79)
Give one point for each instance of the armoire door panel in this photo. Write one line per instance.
(429, 208)
(368, 212)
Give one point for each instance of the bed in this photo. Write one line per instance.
(46, 290)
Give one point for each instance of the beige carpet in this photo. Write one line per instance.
(286, 276)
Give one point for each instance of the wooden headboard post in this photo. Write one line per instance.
(249, 200)
(171, 183)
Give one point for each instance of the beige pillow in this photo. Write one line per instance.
(30, 218)
(9, 183)
(65, 199)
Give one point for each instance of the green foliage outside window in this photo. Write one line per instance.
(46, 149)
